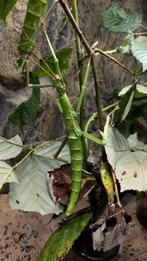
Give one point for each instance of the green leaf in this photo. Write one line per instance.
(127, 48)
(117, 20)
(26, 112)
(128, 158)
(61, 241)
(10, 148)
(115, 147)
(124, 105)
(139, 109)
(5, 7)
(32, 194)
(6, 174)
(139, 50)
(124, 49)
(63, 58)
(140, 92)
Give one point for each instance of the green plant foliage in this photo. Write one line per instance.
(63, 59)
(125, 103)
(61, 241)
(139, 109)
(35, 11)
(5, 7)
(140, 92)
(124, 49)
(26, 112)
(128, 158)
(31, 194)
(117, 20)
(7, 174)
(10, 149)
(139, 50)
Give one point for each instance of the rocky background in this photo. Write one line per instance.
(13, 88)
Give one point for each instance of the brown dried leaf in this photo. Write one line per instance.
(59, 182)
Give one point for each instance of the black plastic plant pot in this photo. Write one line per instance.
(142, 213)
(83, 247)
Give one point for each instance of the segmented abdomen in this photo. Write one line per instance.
(35, 11)
(76, 152)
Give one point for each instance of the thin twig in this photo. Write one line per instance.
(116, 189)
(142, 33)
(97, 53)
(97, 92)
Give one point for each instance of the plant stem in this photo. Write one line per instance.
(75, 25)
(116, 189)
(142, 33)
(97, 92)
(97, 53)
(110, 106)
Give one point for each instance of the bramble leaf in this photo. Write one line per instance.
(31, 194)
(128, 158)
(117, 20)
(6, 174)
(140, 92)
(139, 50)
(125, 103)
(10, 148)
(61, 241)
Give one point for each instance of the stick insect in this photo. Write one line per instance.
(73, 131)
(35, 11)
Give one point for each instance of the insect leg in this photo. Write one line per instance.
(60, 148)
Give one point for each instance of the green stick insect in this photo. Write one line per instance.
(35, 11)
(73, 135)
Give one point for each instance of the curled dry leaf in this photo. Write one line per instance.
(59, 182)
